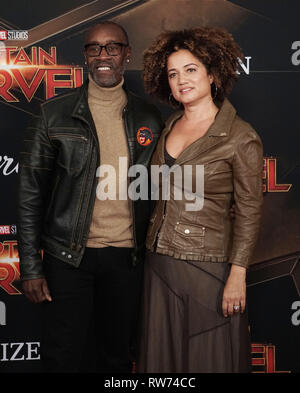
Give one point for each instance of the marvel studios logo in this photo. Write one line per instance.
(16, 35)
(8, 229)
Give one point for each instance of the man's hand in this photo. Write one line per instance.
(36, 290)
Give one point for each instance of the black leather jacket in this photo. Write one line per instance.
(57, 179)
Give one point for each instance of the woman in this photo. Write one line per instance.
(194, 317)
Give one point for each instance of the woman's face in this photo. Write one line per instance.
(188, 78)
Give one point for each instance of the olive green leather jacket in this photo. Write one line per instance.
(232, 157)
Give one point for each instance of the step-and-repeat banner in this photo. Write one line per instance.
(41, 56)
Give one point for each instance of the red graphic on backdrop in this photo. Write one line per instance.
(9, 266)
(3, 35)
(8, 229)
(4, 229)
(264, 358)
(26, 72)
(270, 177)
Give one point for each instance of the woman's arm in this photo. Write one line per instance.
(247, 180)
(247, 167)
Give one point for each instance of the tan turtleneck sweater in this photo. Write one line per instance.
(111, 221)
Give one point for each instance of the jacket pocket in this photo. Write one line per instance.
(189, 236)
(71, 149)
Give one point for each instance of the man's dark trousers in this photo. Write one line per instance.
(90, 325)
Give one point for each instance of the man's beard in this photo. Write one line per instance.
(103, 80)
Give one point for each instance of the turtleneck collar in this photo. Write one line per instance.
(111, 100)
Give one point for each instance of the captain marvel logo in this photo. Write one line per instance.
(144, 136)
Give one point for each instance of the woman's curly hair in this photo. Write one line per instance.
(215, 48)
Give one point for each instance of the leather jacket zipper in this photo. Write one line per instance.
(130, 163)
(92, 167)
(69, 136)
(162, 222)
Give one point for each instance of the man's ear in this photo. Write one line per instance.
(128, 53)
(85, 58)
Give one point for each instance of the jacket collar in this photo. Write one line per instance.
(81, 108)
(82, 111)
(216, 133)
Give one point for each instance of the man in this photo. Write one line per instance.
(90, 277)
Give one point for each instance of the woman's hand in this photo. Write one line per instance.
(234, 295)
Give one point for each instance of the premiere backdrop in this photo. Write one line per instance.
(41, 56)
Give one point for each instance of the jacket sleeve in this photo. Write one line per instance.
(248, 196)
(36, 165)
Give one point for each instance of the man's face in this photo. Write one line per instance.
(106, 70)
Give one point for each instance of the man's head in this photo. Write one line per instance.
(106, 64)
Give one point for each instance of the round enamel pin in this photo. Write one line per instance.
(144, 136)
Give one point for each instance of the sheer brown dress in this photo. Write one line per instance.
(183, 329)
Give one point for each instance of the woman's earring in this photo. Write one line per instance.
(215, 92)
(127, 60)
